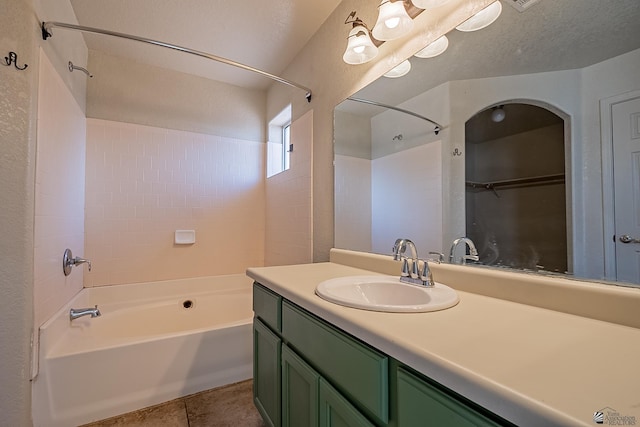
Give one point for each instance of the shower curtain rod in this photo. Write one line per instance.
(46, 33)
(402, 110)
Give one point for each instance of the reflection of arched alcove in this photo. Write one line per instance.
(516, 210)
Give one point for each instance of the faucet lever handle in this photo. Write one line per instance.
(405, 267)
(415, 270)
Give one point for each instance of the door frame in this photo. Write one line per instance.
(608, 198)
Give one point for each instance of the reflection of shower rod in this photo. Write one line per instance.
(75, 67)
(402, 110)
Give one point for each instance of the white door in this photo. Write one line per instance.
(626, 175)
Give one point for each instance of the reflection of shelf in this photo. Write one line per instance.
(517, 182)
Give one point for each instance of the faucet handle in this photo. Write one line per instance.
(415, 270)
(405, 267)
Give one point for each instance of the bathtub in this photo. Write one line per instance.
(153, 342)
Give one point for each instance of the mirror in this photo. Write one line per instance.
(394, 177)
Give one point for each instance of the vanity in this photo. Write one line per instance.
(498, 357)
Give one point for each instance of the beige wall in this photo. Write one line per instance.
(143, 183)
(126, 91)
(17, 168)
(20, 24)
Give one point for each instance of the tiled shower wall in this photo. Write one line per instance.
(288, 230)
(143, 183)
(59, 200)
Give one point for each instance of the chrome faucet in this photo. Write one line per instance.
(69, 261)
(473, 252)
(415, 276)
(79, 312)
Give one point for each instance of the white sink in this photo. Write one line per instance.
(386, 293)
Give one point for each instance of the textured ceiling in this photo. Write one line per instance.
(551, 35)
(262, 34)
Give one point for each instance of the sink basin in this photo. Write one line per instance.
(386, 293)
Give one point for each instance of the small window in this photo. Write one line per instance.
(286, 146)
(279, 145)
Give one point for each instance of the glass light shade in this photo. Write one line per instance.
(435, 48)
(428, 4)
(360, 48)
(498, 115)
(399, 70)
(482, 19)
(393, 21)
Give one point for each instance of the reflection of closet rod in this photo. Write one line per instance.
(46, 33)
(402, 110)
(518, 182)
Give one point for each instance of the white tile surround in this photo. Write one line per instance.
(59, 202)
(143, 183)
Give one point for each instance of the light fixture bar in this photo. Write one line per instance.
(46, 33)
(402, 110)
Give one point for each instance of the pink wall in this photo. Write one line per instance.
(143, 183)
(59, 202)
(288, 228)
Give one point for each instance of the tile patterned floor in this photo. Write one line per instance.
(228, 406)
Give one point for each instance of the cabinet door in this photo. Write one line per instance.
(336, 411)
(266, 373)
(421, 404)
(299, 391)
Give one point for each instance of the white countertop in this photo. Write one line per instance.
(530, 365)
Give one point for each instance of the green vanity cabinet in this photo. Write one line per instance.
(336, 411)
(266, 373)
(356, 370)
(267, 347)
(299, 391)
(421, 403)
(307, 372)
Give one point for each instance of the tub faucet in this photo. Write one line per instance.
(473, 252)
(74, 313)
(415, 276)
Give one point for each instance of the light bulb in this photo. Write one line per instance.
(498, 115)
(393, 21)
(360, 48)
(482, 19)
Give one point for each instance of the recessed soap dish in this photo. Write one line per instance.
(185, 237)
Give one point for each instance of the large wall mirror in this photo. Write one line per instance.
(539, 110)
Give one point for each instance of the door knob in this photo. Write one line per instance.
(625, 238)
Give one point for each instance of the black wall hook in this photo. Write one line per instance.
(13, 59)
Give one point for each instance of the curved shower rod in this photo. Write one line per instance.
(46, 33)
(402, 110)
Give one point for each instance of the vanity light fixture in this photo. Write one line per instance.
(393, 20)
(399, 70)
(428, 4)
(482, 19)
(434, 48)
(360, 47)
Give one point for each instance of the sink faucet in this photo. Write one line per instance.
(415, 276)
(79, 312)
(473, 252)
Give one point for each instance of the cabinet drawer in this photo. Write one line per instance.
(423, 404)
(266, 306)
(356, 370)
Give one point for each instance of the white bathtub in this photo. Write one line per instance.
(154, 342)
